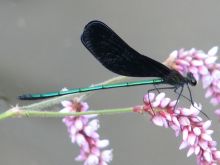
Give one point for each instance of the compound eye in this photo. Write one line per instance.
(193, 81)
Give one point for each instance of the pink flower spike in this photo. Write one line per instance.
(196, 136)
(82, 131)
(203, 66)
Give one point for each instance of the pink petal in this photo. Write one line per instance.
(176, 122)
(197, 150)
(185, 134)
(184, 121)
(149, 98)
(209, 132)
(203, 144)
(216, 154)
(190, 151)
(165, 124)
(160, 96)
(201, 55)
(80, 139)
(155, 104)
(215, 101)
(203, 70)
(216, 74)
(197, 62)
(206, 137)
(188, 58)
(213, 51)
(175, 128)
(196, 119)
(217, 111)
(179, 68)
(191, 139)
(66, 103)
(102, 143)
(182, 62)
(107, 156)
(164, 103)
(80, 158)
(213, 144)
(210, 60)
(173, 103)
(94, 124)
(78, 124)
(206, 124)
(208, 93)
(207, 155)
(174, 54)
(168, 117)
(92, 160)
(84, 107)
(157, 120)
(206, 81)
(183, 145)
(186, 112)
(197, 131)
(73, 130)
(88, 130)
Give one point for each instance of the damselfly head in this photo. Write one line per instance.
(191, 79)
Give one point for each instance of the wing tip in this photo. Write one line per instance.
(90, 25)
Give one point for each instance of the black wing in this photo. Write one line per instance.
(118, 56)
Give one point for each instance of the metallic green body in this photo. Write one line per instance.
(92, 88)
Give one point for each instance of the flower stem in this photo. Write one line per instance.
(16, 112)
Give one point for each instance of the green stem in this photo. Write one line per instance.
(7, 114)
(16, 112)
